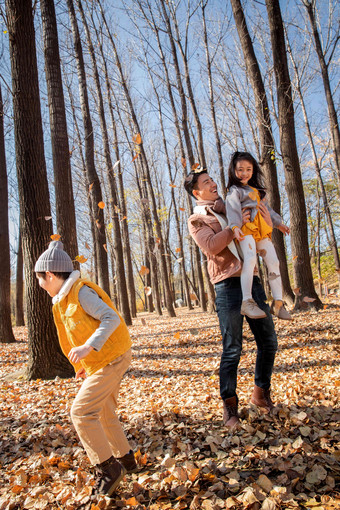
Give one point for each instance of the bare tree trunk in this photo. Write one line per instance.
(267, 159)
(94, 184)
(331, 231)
(6, 331)
(19, 286)
(46, 360)
(66, 217)
(333, 118)
(299, 233)
(118, 248)
(212, 103)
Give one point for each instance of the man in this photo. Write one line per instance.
(209, 228)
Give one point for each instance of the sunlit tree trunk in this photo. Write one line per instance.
(19, 285)
(46, 360)
(92, 176)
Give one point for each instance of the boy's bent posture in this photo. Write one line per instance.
(96, 340)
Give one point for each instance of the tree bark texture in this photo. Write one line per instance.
(46, 360)
(19, 286)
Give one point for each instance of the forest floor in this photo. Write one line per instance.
(170, 408)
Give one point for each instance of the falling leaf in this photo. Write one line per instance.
(81, 259)
(178, 250)
(124, 218)
(105, 247)
(307, 299)
(148, 291)
(134, 158)
(137, 139)
(48, 218)
(182, 209)
(91, 186)
(184, 162)
(144, 270)
(109, 226)
(250, 246)
(173, 185)
(116, 164)
(179, 260)
(297, 291)
(55, 237)
(295, 257)
(101, 205)
(195, 166)
(87, 246)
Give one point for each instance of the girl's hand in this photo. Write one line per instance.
(78, 353)
(81, 374)
(265, 213)
(284, 229)
(238, 234)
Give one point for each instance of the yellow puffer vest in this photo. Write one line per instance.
(75, 326)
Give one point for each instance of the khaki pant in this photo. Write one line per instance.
(93, 412)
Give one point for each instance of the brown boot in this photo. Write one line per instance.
(230, 416)
(261, 398)
(129, 462)
(109, 474)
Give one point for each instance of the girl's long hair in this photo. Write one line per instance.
(256, 179)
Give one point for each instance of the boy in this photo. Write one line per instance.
(96, 340)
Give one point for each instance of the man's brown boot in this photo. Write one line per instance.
(230, 416)
(109, 474)
(261, 398)
(129, 462)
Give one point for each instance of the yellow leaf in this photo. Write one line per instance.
(55, 237)
(101, 205)
(109, 226)
(137, 139)
(81, 259)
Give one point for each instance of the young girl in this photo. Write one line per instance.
(245, 191)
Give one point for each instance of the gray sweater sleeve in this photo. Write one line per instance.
(95, 306)
(234, 208)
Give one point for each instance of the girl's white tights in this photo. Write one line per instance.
(268, 253)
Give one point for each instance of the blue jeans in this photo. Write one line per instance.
(228, 306)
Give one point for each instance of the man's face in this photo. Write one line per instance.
(206, 188)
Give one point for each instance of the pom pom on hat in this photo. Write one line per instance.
(54, 259)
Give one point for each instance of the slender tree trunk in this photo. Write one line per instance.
(299, 233)
(46, 360)
(94, 183)
(6, 331)
(267, 158)
(212, 103)
(118, 247)
(66, 217)
(19, 286)
(333, 118)
(144, 161)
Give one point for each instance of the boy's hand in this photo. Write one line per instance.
(284, 229)
(81, 374)
(238, 234)
(265, 213)
(78, 353)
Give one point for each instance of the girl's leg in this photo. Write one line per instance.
(273, 265)
(248, 247)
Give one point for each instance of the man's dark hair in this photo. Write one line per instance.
(62, 276)
(191, 179)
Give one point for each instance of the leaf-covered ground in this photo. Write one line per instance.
(171, 411)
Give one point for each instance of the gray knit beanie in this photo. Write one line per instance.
(54, 259)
